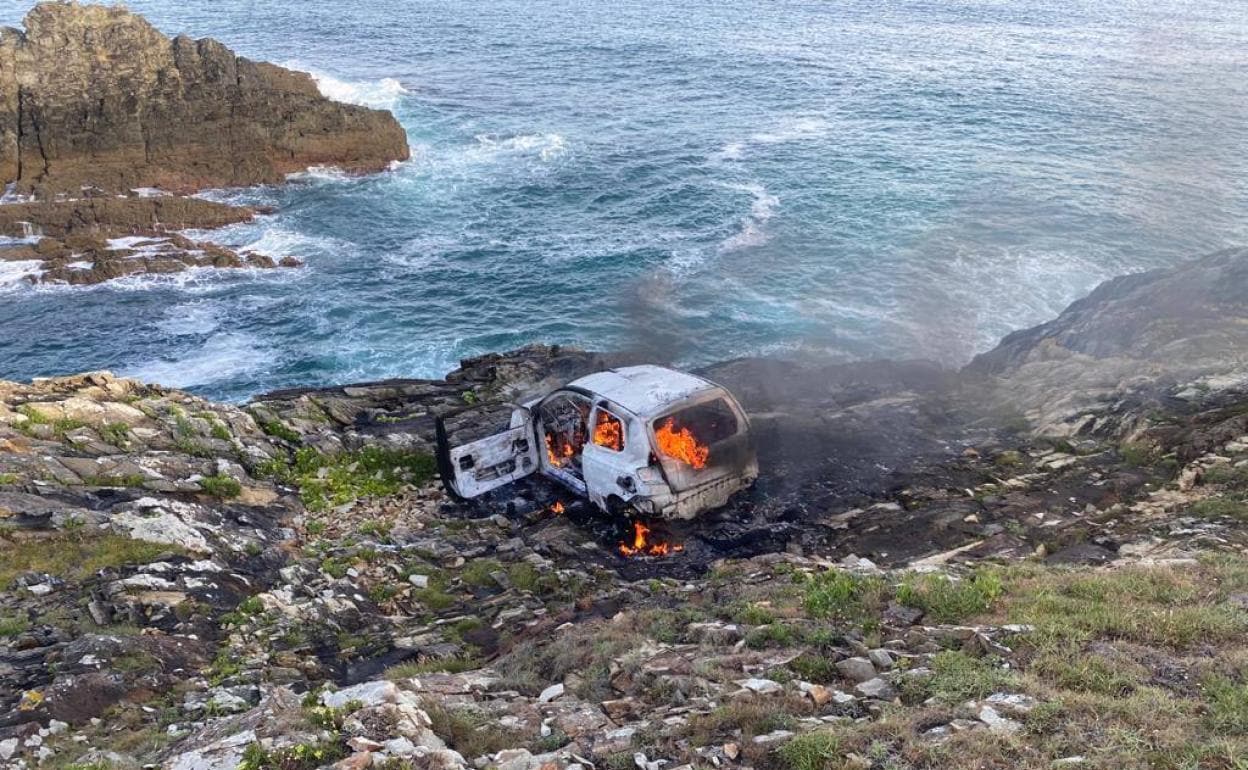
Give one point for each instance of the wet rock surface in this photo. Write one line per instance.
(915, 576)
(85, 260)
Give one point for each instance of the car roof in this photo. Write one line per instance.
(644, 390)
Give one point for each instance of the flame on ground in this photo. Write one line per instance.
(642, 545)
(681, 445)
(557, 507)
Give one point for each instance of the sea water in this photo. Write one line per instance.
(695, 180)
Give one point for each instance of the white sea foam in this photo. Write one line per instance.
(15, 274)
(151, 192)
(191, 318)
(545, 146)
(320, 174)
(790, 129)
(383, 94)
(277, 241)
(752, 231)
(223, 357)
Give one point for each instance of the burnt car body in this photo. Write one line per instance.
(639, 439)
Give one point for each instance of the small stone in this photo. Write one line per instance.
(8, 749)
(760, 686)
(367, 693)
(1012, 703)
(773, 737)
(856, 669)
(997, 723)
(876, 688)
(419, 581)
(732, 750)
(550, 693)
(881, 659)
(816, 692)
(400, 747)
(1077, 759)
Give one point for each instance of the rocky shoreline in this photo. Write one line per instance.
(106, 125)
(922, 577)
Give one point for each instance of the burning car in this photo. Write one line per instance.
(639, 439)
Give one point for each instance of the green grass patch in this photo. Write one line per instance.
(945, 600)
(846, 597)
(817, 750)
(1228, 705)
(7, 479)
(957, 677)
(221, 486)
(278, 429)
(468, 731)
(1220, 506)
(1157, 606)
(304, 756)
(478, 573)
(12, 626)
(75, 556)
(116, 433)
(131, 480)
(325, 481)
(453, 665)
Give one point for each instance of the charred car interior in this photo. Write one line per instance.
(644, 440)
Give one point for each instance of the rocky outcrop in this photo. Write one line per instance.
(96, 97)
(83, 260)
(118, 215)
(1174, 333)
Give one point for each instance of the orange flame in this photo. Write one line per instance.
(557, 508)
(609, 432)
(643, 546)
(557, 450)
(681, 445)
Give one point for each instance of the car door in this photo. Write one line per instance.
(609, 455)
(484, 448)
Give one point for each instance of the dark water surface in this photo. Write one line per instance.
(862, 179)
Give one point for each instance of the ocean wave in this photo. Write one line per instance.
(547, 147)
(278, 241)
(790, 129)
(14, 275)
(223, 357)
(383, 94)
(191, 318)
(320, 174)
(752, 230)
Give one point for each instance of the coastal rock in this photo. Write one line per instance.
(96, 97)
(84, 260)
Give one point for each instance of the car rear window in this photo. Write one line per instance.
(690, 434)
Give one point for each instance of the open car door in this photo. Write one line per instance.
(484, 448)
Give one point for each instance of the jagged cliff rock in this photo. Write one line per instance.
(1177, 333)
(95, 96)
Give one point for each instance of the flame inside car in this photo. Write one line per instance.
(609, 432)
(643, 545)
(681, 444)
(558, 449)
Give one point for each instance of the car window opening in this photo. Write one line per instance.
(565, 421)
(690, 434)
(608, 431)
